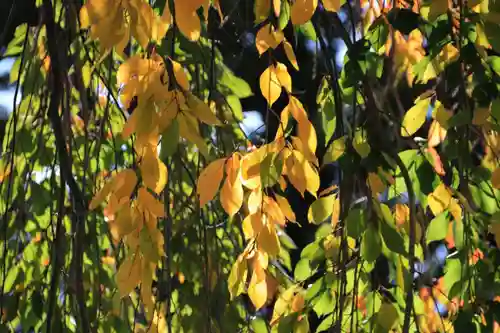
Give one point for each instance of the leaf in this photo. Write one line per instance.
(270, 170)
(439, 199)
(387, 316)
(335, 150)
(302, 11)
(392, 238)
(438, 228)
(270, 85)
(267, 37)
(321, 209)
(238, 277)
(285, 208)
(231, 196)
(355, 223)
(302, 325)
(154, 172)
(209, 181)
(268, 241)
(149, 203)
(495, 178)
(303, 270)
(361, 144)
(257, 289)
(290, 54)
(202, 111)
(180, 75)
(332, 5)
(129, 275)
(169, 140)
(262, 10)
(101, 195)
(415, 117)
(371, 245)
(187, 20)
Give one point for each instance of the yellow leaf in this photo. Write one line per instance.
(180, 75)
(209, 181)
(436, 135)
(129, 275)
(202, 111)
(273, 211)
(101, 195)
(302, 11)
(290, 55)
(277, 7)
(283, 77)
(270, 85)
(441, 114)
(415, 117)
(387, 316)
(306, 130)
(401, 214)
(124, 221)
(187, 20)
(231, 195)
(257, 289)
(285, 208)
(495, 179)
(149, 203)
(124, 183)
(254, 201)
(252, 225)
(360, 143)
(84, 17)
(332, 5)
(267, 37)
(439, 199)
(267, 239)
(189, 129)
(262, 10)
(154, 172)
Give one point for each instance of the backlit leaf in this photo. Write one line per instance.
(129, 274)
(332, 5)
(290, 54)
(187, 20)
(270, 85)
(321, 209)
(303, 10)
(415, 117)
(267, 37)
(438, 228)
(154, 172)
(180, 75)
(371, 245)
(257, 290)
(209, 181)
(238, 277)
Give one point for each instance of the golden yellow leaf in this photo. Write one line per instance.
(231, 195)
(84, 17)
(290, 54)
(295, 173)
(441, 114)
(336, 212)
(267, 239)
(101, 195)
(153, 170)
(180, 75)
(124, 183)
(302, 11)
(495, 179)
(252, 225)
(277, 7)
(262, 10)
(254, 201)
(257, 289)
(273, 211)
(238, 277)
(283, 76)
(298, 302)
(267, 37)
(270, 85)
(401, 214)
(306, 130)
(285, 208)
(129, 274)
(149, 203)
(187, 20)
(439, 199)
(124, 221)
(209, 181)
(332, 5)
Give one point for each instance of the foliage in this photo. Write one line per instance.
(133, 200)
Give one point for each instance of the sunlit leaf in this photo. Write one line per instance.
(415, 117)
(209, 181)
(303, 10)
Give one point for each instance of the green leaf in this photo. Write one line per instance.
(415, 117)
(301, 326)
(355, 223)
(169, 141)
(321, 209)
(392, 238)
(270, 170)
(234, 104)
(308, 30)
(238, 86)
(11, 278)
(303, 270)
(438, 228)
(325, 303)
(326, 324)
(371, 245)
(284, 18)
(335, 150)
(387, 316)
(259, 325)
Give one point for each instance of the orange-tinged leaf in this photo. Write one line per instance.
(302, 11)
(231, 196)
(436, 161)
(273, 211)
(124, 183)
(101, 195)
(180, 75)
(129, 275)
(436, 135)
(267, 37)
(153, 170)
(187, 20)
(209, 181)
(257, 290)
(298, 302)
(290, 54)
(149, 203)
(270, 85)
(260, 261)
(376, 184)
(285, 208)
(332, 5)
(252, 225)
(262, 10)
